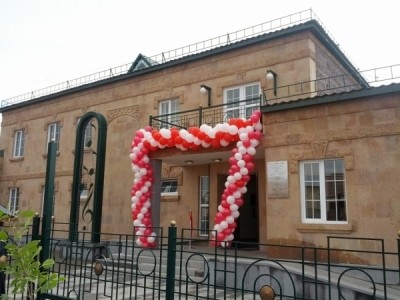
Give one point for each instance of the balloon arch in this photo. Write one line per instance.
(246, 134)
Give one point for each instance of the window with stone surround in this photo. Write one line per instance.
(241, 101)
(53, 134)
(323, 191)
(13, 199)
(166, 108)
(19, 143)
(169, 187)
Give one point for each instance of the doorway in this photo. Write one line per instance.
(247, 230)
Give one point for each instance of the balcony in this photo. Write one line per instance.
(216, 114)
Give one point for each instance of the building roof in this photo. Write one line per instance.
(311, 26)
(331, 98)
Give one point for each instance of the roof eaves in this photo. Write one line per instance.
(325, 99)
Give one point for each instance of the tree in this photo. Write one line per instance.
(27, 274)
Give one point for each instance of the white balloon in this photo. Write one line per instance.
(224, 143)
(223, 225)
(218, 127)
(241, 163)
(238, 156)
(230, 237)
(151, 239)
(148, 183)
(138, 193)
(237, 194)
(243, 136)
(244, 171)
(258, 127)
(140, 216)
(144, 210)
(230, 219)
(234, 207)
(243, 190)
(231, 179)
(197, 141)
(225, 127)
(230, 200)
(144, 189)
(220, 208)
(134, 199)
(211, 133)
(254, 143)
(190, 138)
(138, 242)
(233, 130)
(204, 144)
(147, 204)
(237, 176)
(137, 223)
(242, 150)
(235, 214)
(143, 171)
(251, 151)
(146, 159)
(217, 228)
(132, 156)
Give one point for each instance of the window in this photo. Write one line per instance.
(166, 108)
(53, 133)
(204, 205)
(87, 137)
(19, 143)
(241, 100)
(169, 187)
(13, 200)
(323, 192)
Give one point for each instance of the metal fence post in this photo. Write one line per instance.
(171, 261)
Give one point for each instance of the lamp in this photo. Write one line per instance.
(189, 162)
(217, 159)
(206, 89)
(271, 75)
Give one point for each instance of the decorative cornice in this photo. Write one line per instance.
(128, 110)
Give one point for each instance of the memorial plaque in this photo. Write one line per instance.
(277, 178)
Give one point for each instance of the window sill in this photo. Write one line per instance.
(325, 228)
(15, 159)
(172, 198)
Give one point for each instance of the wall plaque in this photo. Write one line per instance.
(277, 179)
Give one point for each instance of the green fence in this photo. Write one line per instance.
(181, 267)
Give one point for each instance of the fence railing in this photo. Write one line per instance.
(184, 266)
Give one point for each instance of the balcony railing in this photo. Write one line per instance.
(242, 109)
(222, 40)
(211, 115)
(334, 85)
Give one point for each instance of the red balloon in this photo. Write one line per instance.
(232, 187)
(215, 144)
(227, 212)
(239, 202)
(220, 236)
(240, 183)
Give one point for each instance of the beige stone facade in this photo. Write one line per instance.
(359, 131)
(364, 132)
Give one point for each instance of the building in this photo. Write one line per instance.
(319, 116)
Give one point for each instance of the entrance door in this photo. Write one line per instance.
(247, 230)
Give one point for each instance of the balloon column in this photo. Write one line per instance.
(246, 134)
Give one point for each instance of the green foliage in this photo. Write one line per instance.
(28, 275)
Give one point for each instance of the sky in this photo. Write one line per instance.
(45, 42)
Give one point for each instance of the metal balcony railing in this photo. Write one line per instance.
(211, 115)
(334, 85)
(242, 109)
(222, 40)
